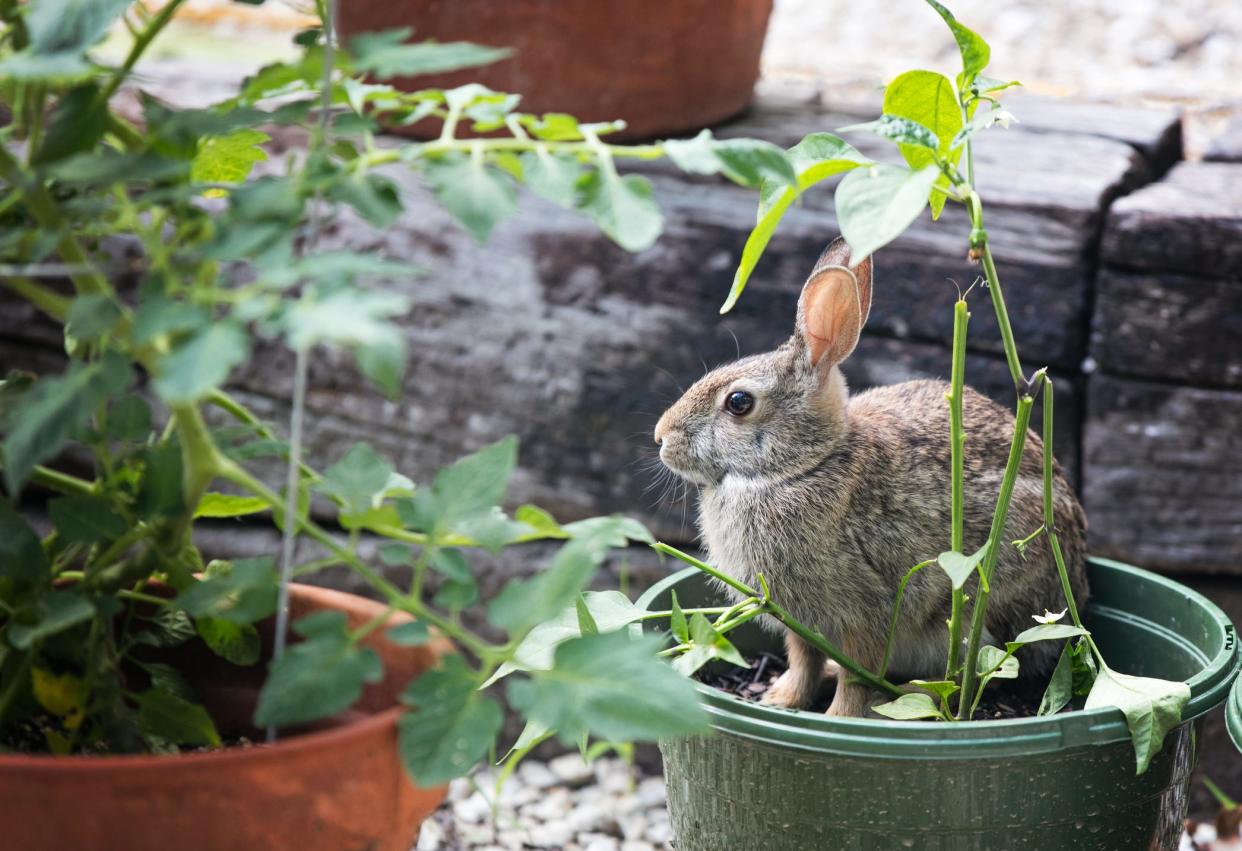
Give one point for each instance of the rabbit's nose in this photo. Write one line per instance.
(663, 427)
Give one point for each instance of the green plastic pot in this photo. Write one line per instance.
(776, 779)
(1233, 713)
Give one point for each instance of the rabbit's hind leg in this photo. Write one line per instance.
(796, 688)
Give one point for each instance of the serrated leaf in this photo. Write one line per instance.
(200, 364)
(477, 194)
(55, 612)
(409, 634)
(611, 686)
(385, 54)
(358, 480)
(909, 707)
(622, 207)
(540, 522)
(1152, 708)
(227, 159)
(244, 591)
(469, 487)
(318, 677)
(129, 419)
(552, 177)
(817, 157)
(959, 567)
(235, 642)
(86, 519)
(229, 505)
(875, 205)
(450, 727)
(77, 124)
(176, 719)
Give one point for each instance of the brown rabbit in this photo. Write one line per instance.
(834, 497)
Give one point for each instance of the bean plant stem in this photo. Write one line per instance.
(1053, 542)
(979, 608)
(961, 316)
(1002, 318)
(144, 39)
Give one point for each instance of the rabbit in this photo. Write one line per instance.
(834, 497)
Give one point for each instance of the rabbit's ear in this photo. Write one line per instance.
(838, 254)
(830, 316)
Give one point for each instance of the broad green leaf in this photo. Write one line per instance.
(909, 707)
(160, 491)
(985, 85)
(129, 419)
(1152, 708)
(471, 486)
(750, 162)
(360, 321)
(229, 505)
(385, 54)
(995, 662)
(491, 529)
(236, 642)
(522, 603)
(904, 131)
(168, 679)
(21, 555)
(696, 155)
(677, 621)
(943, 689)
(227, 159)
(611, 610)
(615, 530)
(86, 519)
(1048, 632)
(450, 564)
(455, 595)
(242, 591)
(53, 410)
(176, 719)
(622, 207)
(552, 177)
(70, 25)
(975, 51)
(586, 621)
(357, 481)
(875, 205)
(451, 726)
(409, 634)
(476, 194)
(157, 316)
(611, 686)
(77, 124)
(28, 66)
(200, 364)
(55, 613)
(706, 644)
(318, 677)
(540, 522)
(817, 157)
(553, 127)
(1060, 686)
(928, 99)
(373, 196)
(167, 627)
(959, 567)
(104, 165)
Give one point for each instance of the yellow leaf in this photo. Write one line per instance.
(63, 695)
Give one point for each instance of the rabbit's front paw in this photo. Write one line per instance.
(790, 691)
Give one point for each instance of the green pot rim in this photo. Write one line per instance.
(1233, 714)
(974, 740)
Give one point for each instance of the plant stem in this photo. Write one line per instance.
(979, 608)
(54, 305)
(740, 587)
(1002, 317)
(1221, 798)
(1053, 542)
(61, 482)
(961, 316)
(140, 45)
(892, 625)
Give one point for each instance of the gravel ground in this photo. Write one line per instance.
(561, 804)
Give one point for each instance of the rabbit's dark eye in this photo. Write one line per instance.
(739, 403)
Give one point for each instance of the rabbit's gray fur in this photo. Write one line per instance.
(833, 498)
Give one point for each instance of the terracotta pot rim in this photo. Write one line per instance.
(318, 739)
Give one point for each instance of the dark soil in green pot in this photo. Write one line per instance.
(774, 779)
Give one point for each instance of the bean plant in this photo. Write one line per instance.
(933, 121)
(174, 247)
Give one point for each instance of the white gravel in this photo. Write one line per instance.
(561, 804)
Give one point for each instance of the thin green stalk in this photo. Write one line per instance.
(61, 482)
(961, 316)
(1054, 543)
(979, 608)
(1002, 317)
(1221, 798)
(744, 617)
(140, 45)
(711, 610)
(740, 587)
(892, 623)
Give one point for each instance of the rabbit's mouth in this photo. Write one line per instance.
(678, 460)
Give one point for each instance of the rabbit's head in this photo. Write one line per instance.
(779, 413)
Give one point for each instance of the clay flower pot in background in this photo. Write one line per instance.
(336, 787)
(665, 68)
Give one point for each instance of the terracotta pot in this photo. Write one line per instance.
(664, 68)
(338, 787)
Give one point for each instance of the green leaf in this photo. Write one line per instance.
(229, 505)
(54, 409)
(751, 162)
(615, 530)
(875, 205)
(409, 634)
(359, 320)
(478, 195)
(178, 720)
(622, 207)
(129, 419)
(611, 610)
(817, 157)
(586, 621)
(235, 642)
(55, 613)
(975, 51)
(522, 603)
(157, 316)
(200, 364)
(541, 523)
(491, 529)
(611, 686)
(985, 85)
(384, 54)
(455, 595)
(159, 492)
(1152, 708)
(318, 677)
(227, 159)
(706, 644)
(696, 155)
(242, 591)
(677, 622)
(357, 481)
(552, 177)
(167, 627)
(21, 554)
(959, 567)
(928, 99)
(86, 519)
(29, 66)
(57, 26)
(471, 486)
(451, 727)
(943, 689)
(909, 707)
(1048, 632)
(451, 564)
(1060, 686)
(373, 196)
(78, 123)
(910, 134)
